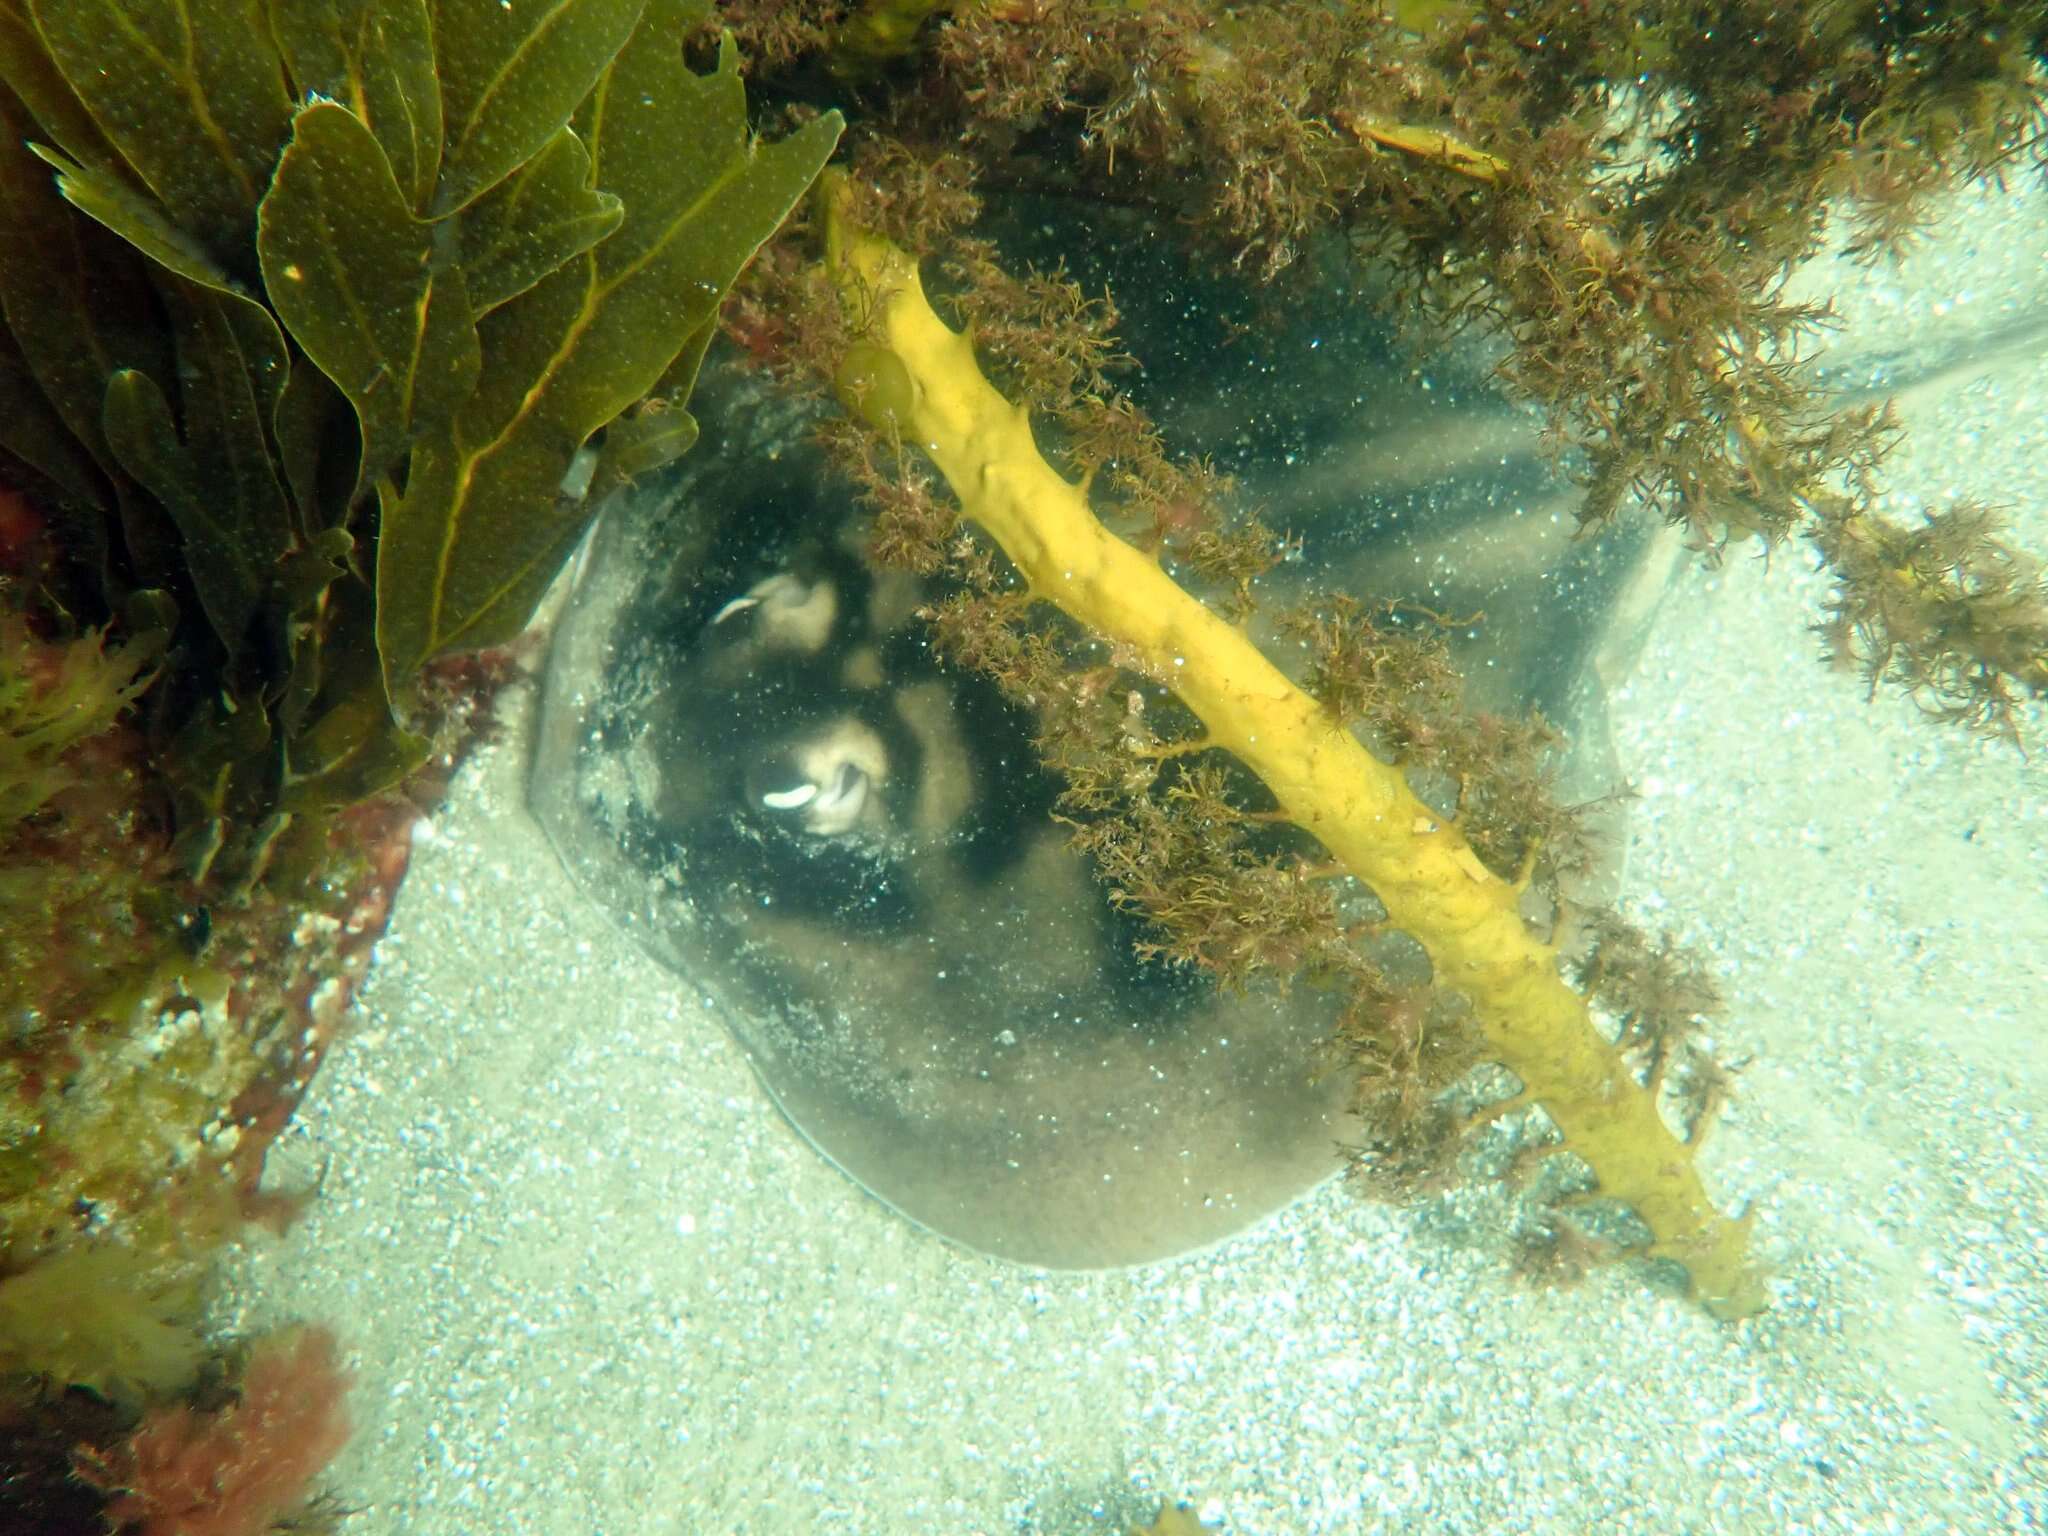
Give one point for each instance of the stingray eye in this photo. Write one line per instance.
(783, 614)
(737, 605)
(825, 784)
(794, 798)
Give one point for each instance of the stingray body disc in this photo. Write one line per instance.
(751, 755)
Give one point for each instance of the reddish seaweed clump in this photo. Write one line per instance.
(235, 1470)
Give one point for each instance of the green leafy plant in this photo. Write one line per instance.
(327, 322)
(312, 307)
(48, 706)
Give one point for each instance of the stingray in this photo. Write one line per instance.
(748, 753)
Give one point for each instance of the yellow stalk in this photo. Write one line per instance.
(1429, 144)
(915, 369)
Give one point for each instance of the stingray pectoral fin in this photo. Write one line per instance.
(1074, 1167)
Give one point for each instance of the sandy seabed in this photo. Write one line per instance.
(591, 1282)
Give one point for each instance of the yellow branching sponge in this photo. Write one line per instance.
(911, 366)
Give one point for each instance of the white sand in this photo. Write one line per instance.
(592, 1283)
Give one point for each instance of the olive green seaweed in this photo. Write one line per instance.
(356, 278)
(576, 349)
(34, 434)
(311, 306)
(186, 94)
(136, 218)
(375, 57)
(75, 302)
(535, 220)
(510, 78)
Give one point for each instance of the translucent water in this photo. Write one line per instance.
(592, 1280)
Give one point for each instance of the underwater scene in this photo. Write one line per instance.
(629, 1293)
(1027, 766)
